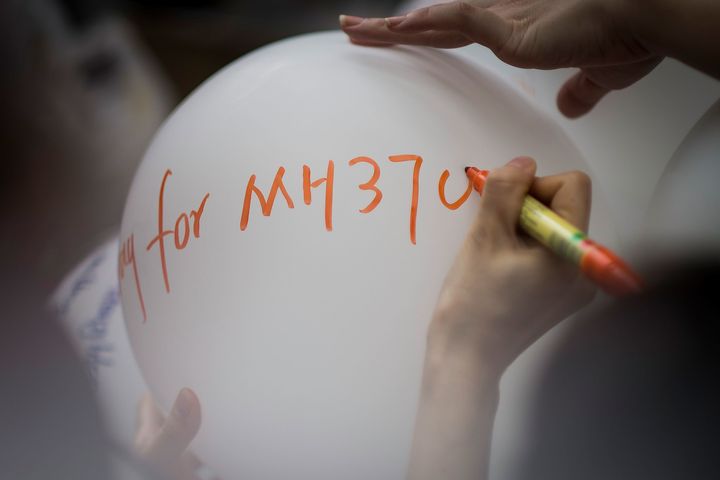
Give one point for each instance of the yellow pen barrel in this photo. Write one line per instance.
(551, 230)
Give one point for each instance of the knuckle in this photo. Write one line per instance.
(512, 46)
(505, 180)
(581, 179)
(422, 13)
(464, 9)
(463, 13)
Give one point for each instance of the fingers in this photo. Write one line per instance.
(427, 39)
(579, 95)
(374, 32)
(568, 194)
(502, 199)
(164, 445)
(369, 43)
(447, 25)
(475, 22)
(586, 88)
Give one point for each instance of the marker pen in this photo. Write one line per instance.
(598, 263)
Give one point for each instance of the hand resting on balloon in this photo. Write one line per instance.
(162, 442)
(598, 36)
(503, 292)
(614, 43)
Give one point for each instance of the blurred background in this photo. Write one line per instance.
(84, 84)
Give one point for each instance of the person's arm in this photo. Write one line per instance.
(503, 292)
(455, 416)
(687, 30)
(614, 43)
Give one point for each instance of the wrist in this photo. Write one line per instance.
(463, 347)
(450, 368)
(460, 379)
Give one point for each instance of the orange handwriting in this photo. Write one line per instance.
(329, 181)
(441, 191)
(181, 230)
(371, 184)
(415, 190)
(266, 206)
(126, 258)
(278, 185)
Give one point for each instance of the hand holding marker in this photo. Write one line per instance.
(597, 262)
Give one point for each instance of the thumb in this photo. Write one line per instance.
(502, 199)
(587, 87)
(579, 95)
(178, 430)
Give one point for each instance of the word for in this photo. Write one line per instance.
(187, 225)
(180, 232)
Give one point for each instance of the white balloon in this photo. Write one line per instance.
(305, 345)
(87, 304)
(683, 217)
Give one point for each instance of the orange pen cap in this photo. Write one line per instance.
(609, 271)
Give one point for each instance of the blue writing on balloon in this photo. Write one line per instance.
(84, 280)
(93, 332)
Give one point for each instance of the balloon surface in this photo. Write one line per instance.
(682, 220)
(286, 236)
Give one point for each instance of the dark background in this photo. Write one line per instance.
(192, 39)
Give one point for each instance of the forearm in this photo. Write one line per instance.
(687, 30)
(455, 416)
(499, 296)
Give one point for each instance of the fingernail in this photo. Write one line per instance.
(350, 21)
(391, 22)
(523, 163)
(184, 403)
